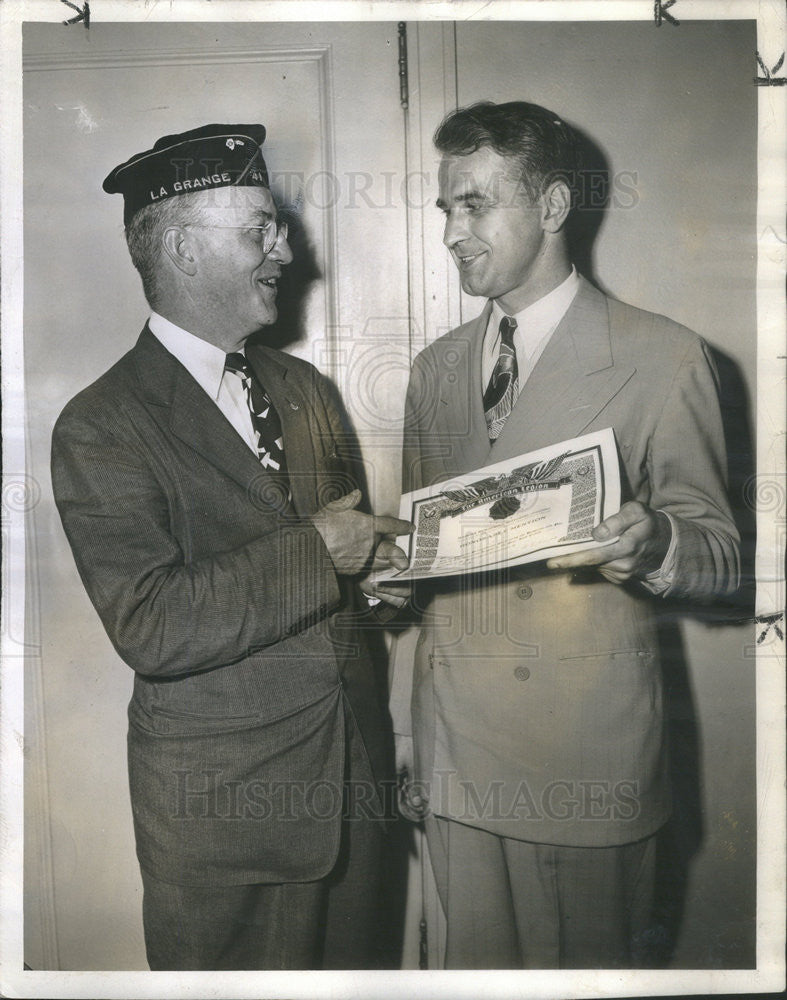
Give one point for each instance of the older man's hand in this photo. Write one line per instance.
(356, 540)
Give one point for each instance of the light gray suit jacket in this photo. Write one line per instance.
(537, 696)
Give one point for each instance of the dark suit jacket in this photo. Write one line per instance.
(537, 696)
(226, 606)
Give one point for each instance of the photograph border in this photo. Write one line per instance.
(769, 492)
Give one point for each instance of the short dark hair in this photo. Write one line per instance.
(544, 146)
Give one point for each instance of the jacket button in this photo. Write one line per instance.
(524, 591)
(521, 673)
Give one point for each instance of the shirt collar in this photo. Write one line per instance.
(544, 315)
(203, 361)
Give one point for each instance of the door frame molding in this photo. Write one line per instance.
(434, 308)
(433, 280)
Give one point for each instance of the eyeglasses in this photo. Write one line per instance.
(267, 234)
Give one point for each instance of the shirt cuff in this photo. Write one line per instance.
(661, 579)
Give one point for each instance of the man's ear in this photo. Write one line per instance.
(178, 246)
(556, 204)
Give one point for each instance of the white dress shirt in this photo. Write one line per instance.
(205, 363)
(534, 328)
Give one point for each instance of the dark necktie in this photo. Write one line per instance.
(264, 418)
(503, 388)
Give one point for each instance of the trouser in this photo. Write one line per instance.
(331, 923)
(514, 904)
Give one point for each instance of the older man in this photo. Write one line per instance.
(214, 522)
(537, 702)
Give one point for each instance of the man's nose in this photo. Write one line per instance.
(455, 230)
(282, 252)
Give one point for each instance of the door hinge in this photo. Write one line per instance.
(404, 92)
(423, 945)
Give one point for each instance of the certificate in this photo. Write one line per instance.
(524, 509)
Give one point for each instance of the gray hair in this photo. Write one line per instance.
(144, 237)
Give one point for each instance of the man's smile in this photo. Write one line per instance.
(465, 259)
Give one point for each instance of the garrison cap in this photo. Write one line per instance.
(211, 156)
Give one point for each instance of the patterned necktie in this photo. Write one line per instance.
(264, 418)
(503, 388)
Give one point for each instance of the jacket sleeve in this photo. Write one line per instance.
(166, 615)
(687, 470)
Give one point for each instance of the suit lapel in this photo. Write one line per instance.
(199, 423)
(460, 419)
(194, 417)
(293, 407)
(572, 382)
